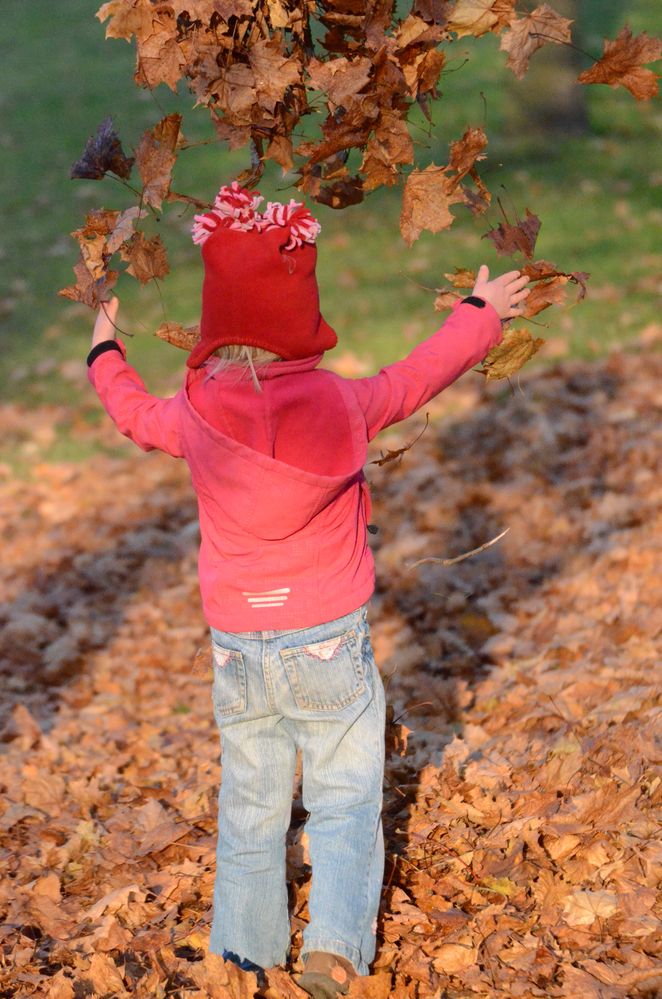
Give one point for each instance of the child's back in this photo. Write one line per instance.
(286, 572)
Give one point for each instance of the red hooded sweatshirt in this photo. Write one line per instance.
(282, 497)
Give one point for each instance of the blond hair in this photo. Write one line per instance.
(247, 359)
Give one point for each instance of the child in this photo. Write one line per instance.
(285, 571)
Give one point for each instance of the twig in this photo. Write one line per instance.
(459, 558)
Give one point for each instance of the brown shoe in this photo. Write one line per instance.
(326, 976)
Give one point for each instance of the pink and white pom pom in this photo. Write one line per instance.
(238, 205)
(295, 216)
(236, 208)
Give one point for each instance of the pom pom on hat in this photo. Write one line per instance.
(259, 287)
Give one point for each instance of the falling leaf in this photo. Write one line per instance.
(518, 238)
(397, 455)
(87, 290)
(516, 348)
(185, 337)
(273, 71)
(622, 64)
(544, 294)
(476, 17)
(467, 151)
(341, 78)
(426, 202)
(156, 157)
(461, 278)
(103, 154)
(147, 257)
(127, 19)
(528, 34)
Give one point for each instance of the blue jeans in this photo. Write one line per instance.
(318, 690)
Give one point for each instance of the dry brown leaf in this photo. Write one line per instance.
(184, 337)
(528, 34)
(622, 64)
(273, 72)
(156, 157)
(545, 293)
(465, 153)
(87, 290)
(426, 202)
(147, 257)
(519, 238)
(516, 348)
(476, 17)
(371, 987)
(340, 78)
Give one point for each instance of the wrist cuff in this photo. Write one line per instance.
(474, 300)
(101, 348)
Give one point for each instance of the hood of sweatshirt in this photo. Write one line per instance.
(251, 491)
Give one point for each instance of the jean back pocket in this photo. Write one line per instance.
(326, 675)
(229, 687)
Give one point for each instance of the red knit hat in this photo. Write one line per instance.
(259, 287)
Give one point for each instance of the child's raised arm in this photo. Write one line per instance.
(467, 336)
(150, 422)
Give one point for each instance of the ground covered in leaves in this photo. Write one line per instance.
(522, 810)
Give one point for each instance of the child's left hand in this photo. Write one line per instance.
(104, 327)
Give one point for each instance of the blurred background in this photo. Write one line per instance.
(585, 159)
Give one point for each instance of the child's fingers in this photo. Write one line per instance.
(514, 284)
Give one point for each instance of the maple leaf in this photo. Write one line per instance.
(476, 17)
(519, 238)
(87, 290)
(184, 337)
(235, 90)
(280, 151)
(147, 257)
(103, 154)
(127, 18)
(549, 292)
(422, 73)
(123, 228)
(465, 152)
(161, 58)
(273, 71)
(462, 277)
(426, 202)
(622, 64)
(516, 348)
(582, 908)
(156, 156)
(340, 78)
(93, 242)
(528, 34)
(390, 146)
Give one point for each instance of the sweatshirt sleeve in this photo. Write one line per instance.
(150, 422)
(466, 337)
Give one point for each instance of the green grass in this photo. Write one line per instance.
(600, 199)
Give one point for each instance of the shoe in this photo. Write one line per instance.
(326, 976)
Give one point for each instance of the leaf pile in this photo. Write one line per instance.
(524, 854)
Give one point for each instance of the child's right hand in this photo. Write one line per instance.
(104, 327)
(504, 293)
